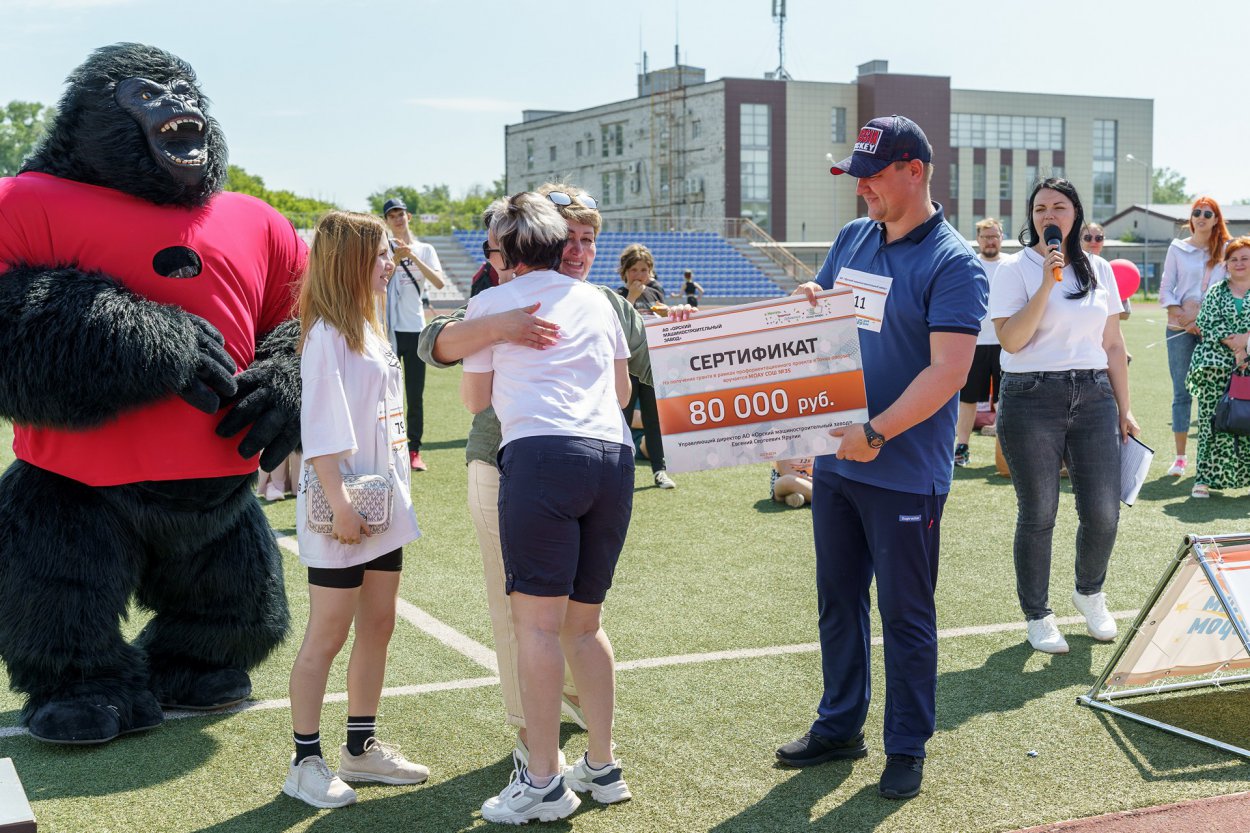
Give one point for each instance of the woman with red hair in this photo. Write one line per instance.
(1224, 320)
(1191, 268)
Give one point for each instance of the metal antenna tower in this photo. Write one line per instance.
(779, 15)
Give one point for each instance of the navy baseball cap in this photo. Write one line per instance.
(884, 140)
(392, 204)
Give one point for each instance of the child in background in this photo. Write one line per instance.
(792, 481)
(352, 423)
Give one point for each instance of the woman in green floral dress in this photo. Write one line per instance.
(1223, 320)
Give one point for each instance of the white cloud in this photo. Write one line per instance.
(469, 105)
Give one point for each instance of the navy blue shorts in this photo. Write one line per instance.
(564, 507)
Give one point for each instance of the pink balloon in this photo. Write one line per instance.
(1127, 278)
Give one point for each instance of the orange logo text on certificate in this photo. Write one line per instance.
(758, 382)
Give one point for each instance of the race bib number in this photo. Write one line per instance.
(392, 416)
(870, 292)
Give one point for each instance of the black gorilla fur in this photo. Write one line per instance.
(117, 156)
(80, 348)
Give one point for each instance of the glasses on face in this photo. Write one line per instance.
(1092, 238)
(487, 251)
(562, 199)
(1203, 212)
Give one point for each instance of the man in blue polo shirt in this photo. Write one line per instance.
(877, 504)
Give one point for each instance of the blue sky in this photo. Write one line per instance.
(337, 99)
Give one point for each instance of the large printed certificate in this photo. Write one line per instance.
(758, 382)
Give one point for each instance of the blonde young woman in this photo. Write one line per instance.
(1191, 268)
(351, 423)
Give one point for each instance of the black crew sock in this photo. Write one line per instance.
(359, 730)
(307, 746)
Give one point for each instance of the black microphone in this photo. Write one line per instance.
(1054, 238)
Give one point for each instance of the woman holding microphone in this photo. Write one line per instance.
(1065, 399)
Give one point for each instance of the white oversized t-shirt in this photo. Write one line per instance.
(1069, 336)
(568, 389)
(352, 408)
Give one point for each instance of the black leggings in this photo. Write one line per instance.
(644, 396)
(348, 578)
(414, 386)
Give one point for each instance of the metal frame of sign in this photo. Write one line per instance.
(1204, 550)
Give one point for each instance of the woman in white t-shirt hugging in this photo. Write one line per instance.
(566, 481)
(1065, 399)
(351, 422)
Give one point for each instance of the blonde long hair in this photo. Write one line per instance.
(337, 287)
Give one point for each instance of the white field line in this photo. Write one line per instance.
(656, 662)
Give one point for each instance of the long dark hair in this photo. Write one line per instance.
(1072, 253)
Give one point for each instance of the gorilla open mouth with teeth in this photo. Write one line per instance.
(180, 158)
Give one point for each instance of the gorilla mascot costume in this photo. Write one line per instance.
(132, 291)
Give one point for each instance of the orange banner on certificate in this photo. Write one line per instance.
(763, 403)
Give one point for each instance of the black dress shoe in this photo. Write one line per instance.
(812, 749)
(902, 776)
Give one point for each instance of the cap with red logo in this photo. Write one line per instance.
(884, 140)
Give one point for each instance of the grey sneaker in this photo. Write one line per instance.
(572, 710)
(664, 481)
(606, 785)
(521, 802)
(380, 762)
(313, 783)
(522, 753)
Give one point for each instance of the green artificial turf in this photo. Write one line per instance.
(712, 566)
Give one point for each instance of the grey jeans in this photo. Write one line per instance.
(1046, 419)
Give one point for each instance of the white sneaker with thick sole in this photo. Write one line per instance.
(1097, 620)
(521, 802)
(1044, 635)
(382, 763)
(605, 785)
(1178, 467)
(313, 783)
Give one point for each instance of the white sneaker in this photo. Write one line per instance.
(521, 802)
(1044, 635)
(664, 481)
(522, 753)
(606, 785)
(380, 762)
(1097, 620)
(313, 783)
(794, 500)
(572, 711)
(1178, 466)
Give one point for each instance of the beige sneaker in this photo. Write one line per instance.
(313, 783)
(380, 762)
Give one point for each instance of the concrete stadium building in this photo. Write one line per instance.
(686, 152)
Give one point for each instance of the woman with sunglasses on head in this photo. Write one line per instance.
(1065, 398)
(1191, 268)
(566, 481)
(1223, 320)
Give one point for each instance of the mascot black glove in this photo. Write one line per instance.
(213, 379)
(268, 399)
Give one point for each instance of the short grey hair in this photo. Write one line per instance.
(530, 231)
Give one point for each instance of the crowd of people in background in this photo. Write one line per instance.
(557, 375)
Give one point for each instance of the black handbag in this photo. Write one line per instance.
(1232, 413)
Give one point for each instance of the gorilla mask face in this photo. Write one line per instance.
(172, 123)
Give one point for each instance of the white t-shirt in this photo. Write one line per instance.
(1069, 336)
(352, 408)
(404, 310)
(1183, 271)
(988, 334)
(568, 389)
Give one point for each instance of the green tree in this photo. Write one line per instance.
(435, 202)
(22, 124)
(303, 212)
(1168, 187)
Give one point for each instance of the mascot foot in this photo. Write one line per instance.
(80, 723)
(207, 691)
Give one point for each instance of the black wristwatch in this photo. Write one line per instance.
(875, 439)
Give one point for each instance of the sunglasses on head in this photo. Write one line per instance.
(1092, 238)
(562, 199)
(1204, 212)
